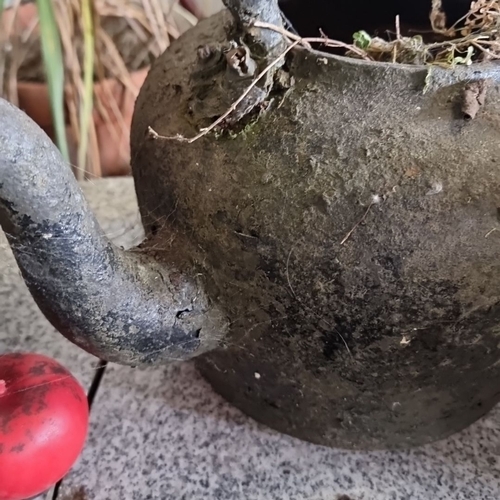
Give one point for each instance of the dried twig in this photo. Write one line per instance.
(204, 131)
(283, 31)
(306, 42)
(438, 17)
(335, 44)
(344, 341)
(360, 221)
(288, 274)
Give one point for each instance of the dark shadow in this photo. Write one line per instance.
(339, 19)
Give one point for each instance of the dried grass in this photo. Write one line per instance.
(475, 37)
(129, 35)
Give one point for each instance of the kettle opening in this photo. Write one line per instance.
(341, 20)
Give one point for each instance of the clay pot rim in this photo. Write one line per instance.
(42, 112)
(448, 76)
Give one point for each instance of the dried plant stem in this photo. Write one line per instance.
(327, 42)
(306, 42)
(73, 88)
(283, 31)
(438, 17)
(288, 274)
(16, 52)
(478, 46)
(360, 221)
(154, 135)
(88, 82)
(398, 37)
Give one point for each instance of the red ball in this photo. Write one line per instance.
(43, 424)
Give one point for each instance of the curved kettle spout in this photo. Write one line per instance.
(119, 306)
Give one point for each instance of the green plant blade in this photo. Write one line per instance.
(88, 82)
(54, 68)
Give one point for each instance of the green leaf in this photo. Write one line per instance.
(54, 69)
(88, 82)
(362, 39)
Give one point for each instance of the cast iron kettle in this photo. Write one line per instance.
(329, 255)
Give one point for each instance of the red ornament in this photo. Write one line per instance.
(43, 424)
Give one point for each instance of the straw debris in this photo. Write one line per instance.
(473, 38)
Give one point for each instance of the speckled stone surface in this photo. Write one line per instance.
(164, 434)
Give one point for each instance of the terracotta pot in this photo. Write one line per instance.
(202, 8)
(112, 134)
(113, 137)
